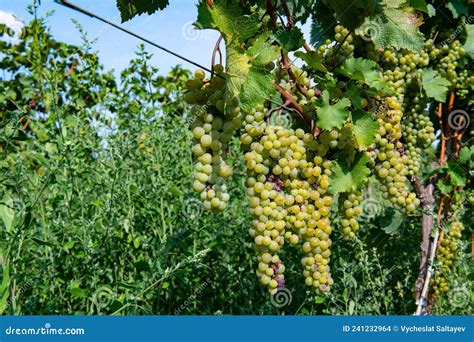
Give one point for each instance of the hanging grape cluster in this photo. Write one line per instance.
(448, 253)
(212, 130)
(287, 187)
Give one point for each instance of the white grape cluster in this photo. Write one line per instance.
(287, 187)
(349, 209)
(212, 131)
(391, 161)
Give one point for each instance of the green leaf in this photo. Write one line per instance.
(69, 244)
(5, 288)
(319, 299)
(78, 292)
(457, 8)
(435, 86)
(395, 28)
(331, 116)
(351, 14)
(364, 71)
(351, 307)
(466, 155)
(131, 8)
(391, 221)
(237, 27)
(257, 85)
(290, 40)
(257, 88)
(7, 214)
(364, 128)
(229, 19)
(431, 10)
(469, 43)
(444, 187)
(347, 177)
(262, 53)
(457, 173)
(322, 24)
(42, 242)
(312, 59)
(419, 5)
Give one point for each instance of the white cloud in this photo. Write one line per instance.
(11, 21)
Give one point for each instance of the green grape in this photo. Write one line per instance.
(391, 161)
(212, 130)
(349, 209)
(447, 254)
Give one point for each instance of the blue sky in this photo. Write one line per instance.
(170, 28)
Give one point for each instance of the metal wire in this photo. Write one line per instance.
(118, 27)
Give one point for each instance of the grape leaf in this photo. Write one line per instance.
(346, 177)
(258, 84)
(290, 40)
(469, 44)
(364, 128)
(351, 13)
(444, 187)
(236, 27)
(229, 19)
(457, 8)
(391, 221)
(364, 71)
(431, 10)
(322, 24)
(435, 86)
(312, 59)
(131, 8)
(419, 5)
(466, 155)
(395, 28)
(7, 214)
(331, 116)
(457, 173)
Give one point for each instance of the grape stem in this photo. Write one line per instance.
(286, 65)
(287, 97)
(271, 13)
(217, 49)
(337, 50)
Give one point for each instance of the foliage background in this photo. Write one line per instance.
(98, 215)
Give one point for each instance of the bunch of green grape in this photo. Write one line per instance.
(342, 43)
(287, 187)
(447, 254)
(391, 162)
(349, 209)
(212, 130)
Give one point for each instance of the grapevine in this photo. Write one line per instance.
(374, 101)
